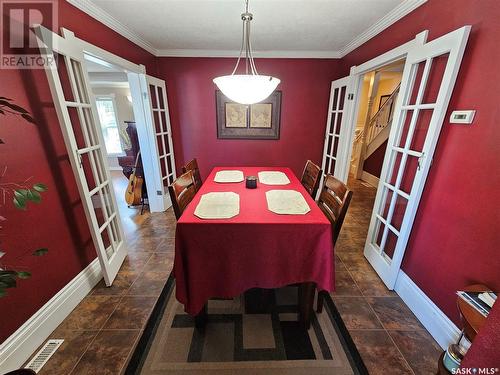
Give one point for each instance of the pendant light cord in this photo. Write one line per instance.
(246, 44)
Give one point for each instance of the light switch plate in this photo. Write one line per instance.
(462, 117)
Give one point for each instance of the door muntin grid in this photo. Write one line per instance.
(92, 160)
(333, 131)
(405, 158)
(163, 135)
(70, 89)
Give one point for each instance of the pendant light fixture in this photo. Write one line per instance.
(251, 87)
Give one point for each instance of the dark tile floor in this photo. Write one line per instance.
(388, 336)
(100, 333)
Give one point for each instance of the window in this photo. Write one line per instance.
(109, 123)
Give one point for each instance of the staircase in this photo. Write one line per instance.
(376, 132)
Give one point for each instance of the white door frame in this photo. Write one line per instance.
(145, 130)
(356, 74)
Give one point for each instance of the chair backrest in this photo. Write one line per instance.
(311, 178)
(193, 166)
(334, 201)
(182, 192)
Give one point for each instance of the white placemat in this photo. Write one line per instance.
(221, 205)
(286, 202)
(229, 176)
(273, 178)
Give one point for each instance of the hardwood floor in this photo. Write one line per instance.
(102, 331)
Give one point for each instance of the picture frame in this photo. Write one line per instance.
(255, 121)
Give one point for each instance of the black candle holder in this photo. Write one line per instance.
(251, 182)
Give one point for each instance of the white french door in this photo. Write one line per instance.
(163, 132)
(336, 134)
(77, 114)
(149, 97)
(427, 83)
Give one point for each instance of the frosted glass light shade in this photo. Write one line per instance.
(247, 88)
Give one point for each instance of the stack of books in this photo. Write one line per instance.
(481, 301)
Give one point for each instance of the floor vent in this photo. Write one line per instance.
(43, 355)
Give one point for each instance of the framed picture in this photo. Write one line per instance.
(255, 121)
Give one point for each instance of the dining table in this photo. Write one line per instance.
(257, 248)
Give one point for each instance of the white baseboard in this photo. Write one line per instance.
(444, 331)
(371, 179)
(15, 351)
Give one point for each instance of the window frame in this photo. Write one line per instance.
(112, 98)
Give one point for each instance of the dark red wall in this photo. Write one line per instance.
(456, 233)
(455, 238)
(38, 151)
(373, 164)
(305, 86)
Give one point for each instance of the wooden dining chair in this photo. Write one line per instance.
(311, 178)
(193, 166)
(182, 191)
(334, 201)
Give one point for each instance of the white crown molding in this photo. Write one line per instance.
(390, 18)
(256, 54)
(105, 18)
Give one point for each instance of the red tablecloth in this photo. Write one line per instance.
(258, 248)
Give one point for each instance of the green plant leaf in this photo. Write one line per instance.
(40, 252)
(34, 196)
(3, 292)
(24, 275)
(19, 202)
(4, 98)
(8, 281)
(7, 273)
(40, 187)
(21, 193)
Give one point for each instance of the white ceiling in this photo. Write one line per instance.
(281, 28)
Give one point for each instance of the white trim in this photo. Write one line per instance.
(16, 350)
(105, 18)
(390, 18)
(257, 54)
(118, 85)
(369, 178)
(441, 328)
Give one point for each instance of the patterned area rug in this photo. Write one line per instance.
(256, 333)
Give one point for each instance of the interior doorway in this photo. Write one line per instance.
(428, 77)
(114, 103)
(90, 144)
(376, 104)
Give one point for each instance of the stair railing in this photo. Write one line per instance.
(382, 118)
